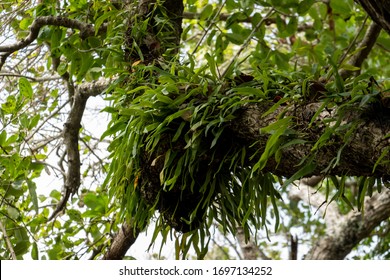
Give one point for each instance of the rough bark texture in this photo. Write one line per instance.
(152, 47)
(358, 155)
(365, 146)
(347, 232)
(365, 47)
(121, 242)
(379, 11)
(250, 250)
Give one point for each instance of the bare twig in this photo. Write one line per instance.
(45, 120)
(353, 43)
(209, 27)
(246, 43)
(38, 80)
(42, 143)
(316, 199)
(51, 166)
(8, 242)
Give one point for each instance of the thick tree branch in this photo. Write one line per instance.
(379, 11)
(355, 156)
(365, 47)
(86, 30)
(351, 229)
(121, 242)
(71, 139)
(152, 46)
(248, 19)
(249, 249)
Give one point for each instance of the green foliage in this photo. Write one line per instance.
(173, 158)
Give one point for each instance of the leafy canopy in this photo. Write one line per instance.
(172, 149)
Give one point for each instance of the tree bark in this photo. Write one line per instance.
(379, 11)
(121, 242)
(347, 232)
(250, 250)
(358, 155)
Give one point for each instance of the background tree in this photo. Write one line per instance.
(216, 108)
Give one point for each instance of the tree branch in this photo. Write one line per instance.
(379, 11)
(38, 80)
(248, 19)
(355, 156)
(7, 241)
(351, 229)
(86, 30)
(71, 139)
(365, 47)
(122, 242)
(293, 247)
(249, 249)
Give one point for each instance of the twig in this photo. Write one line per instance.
(352, 44)
(314, 198)
(93, 152)
(38, 80)
(86, 30)
(243, 46)
(44, 142)
(52, 166)
(209, 27)
(46, 120)
(8, 242)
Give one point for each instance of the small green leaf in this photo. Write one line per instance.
(206, 12)
(292, 26)
(34, 251)
(25, 88)
(99, 21)
(34, 121)
(3, 137)
(12, 212)
(25, 23)
(235, 38)
(33, 194)
(55, 194)
(56, 37)
(212, 65)
(75, 215)
(304, 6)
(304, 171)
